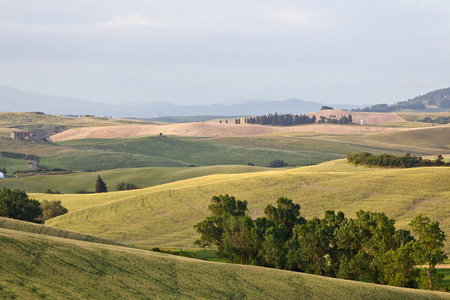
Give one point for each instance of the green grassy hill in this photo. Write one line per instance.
(181, 151)
(18, 225)
(295, 148)
(164, 215)
(141, 177)
(42, 267)
(414, 117)
(429, 140)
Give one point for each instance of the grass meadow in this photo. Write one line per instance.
(73, 257)
(164, 215)
(295, 148)
(141, 177)
(44, 267)
(19, 225)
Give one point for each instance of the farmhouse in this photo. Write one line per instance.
(23, 136)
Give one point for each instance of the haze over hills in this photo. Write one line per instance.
(14, 100)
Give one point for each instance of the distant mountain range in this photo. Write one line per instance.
(14, 100)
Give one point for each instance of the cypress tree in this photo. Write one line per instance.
(100, 186)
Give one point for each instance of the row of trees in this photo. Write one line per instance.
(388, 160)
(280, 119)
(100, 186)
(389, 108)
(438, 120)
(366, 248)
(333, 120)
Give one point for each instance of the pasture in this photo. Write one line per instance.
(37, 267)
(164, 215)
(141, 177)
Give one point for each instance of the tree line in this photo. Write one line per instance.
(368, 248)
(438, 120)
(393, 161)
(17, 205)
(279, 120)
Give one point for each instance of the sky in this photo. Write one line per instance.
(207, 51)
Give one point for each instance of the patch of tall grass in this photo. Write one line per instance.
(40, 267)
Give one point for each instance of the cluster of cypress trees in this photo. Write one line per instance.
(280, 119)
(368, 248)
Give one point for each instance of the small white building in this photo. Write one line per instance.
(1, 175)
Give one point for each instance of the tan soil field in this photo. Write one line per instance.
(217, 129)
(206, 130)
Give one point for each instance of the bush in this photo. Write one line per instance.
(277, 163)
(126, 186)
(49, 191)
(52, 209)
(83, 191)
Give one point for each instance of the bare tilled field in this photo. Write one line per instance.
(206, 130)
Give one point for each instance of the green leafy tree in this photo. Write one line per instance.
(17, 205)
(274, 249)
(100, 186)
(51, 209)
(319, 250)
(229, 228)
(399, 266)
(363, 242)
(430, 243)
(286, 215)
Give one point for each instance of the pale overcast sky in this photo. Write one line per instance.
(207, 51)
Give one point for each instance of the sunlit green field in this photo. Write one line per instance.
(295, 148)
(446, 281)
(12, 165)
(43, 267)
(141, 177)
(164, 215)
(413, 117)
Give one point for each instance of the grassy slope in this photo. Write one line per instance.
(142, 177)
(435, 140)
(294, 148)
(18, 225)
(426, 141)
(44, 124)
(196, 151)
(164, 215)
(36, 267)
(414, 117)
(13, 164)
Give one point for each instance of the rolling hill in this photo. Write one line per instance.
(141, 177)
(37, 267)
(164, 215)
